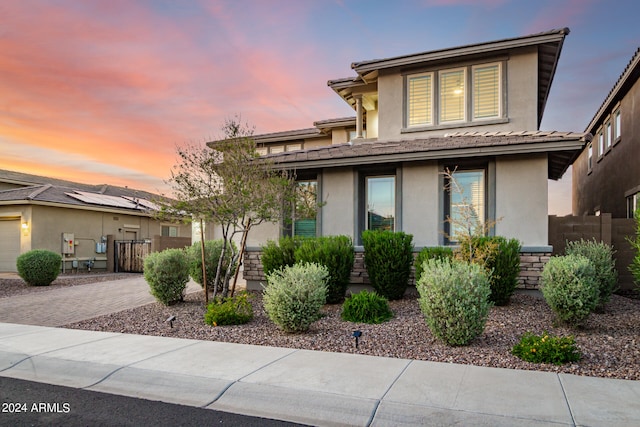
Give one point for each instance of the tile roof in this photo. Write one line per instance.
(561, 146)
(51, 190)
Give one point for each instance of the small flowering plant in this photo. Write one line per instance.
(547, 348)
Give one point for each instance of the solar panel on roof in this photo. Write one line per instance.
(103, 200)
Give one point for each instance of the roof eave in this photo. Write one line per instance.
(573, 146)
(443, 54)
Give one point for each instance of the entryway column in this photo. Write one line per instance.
(359, 118)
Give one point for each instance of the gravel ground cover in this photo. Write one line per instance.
(609, 341)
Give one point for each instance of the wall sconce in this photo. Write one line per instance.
(25, 227)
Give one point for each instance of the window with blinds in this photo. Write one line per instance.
(486, 91)
(443, 97)
(452, 96)
(420, 100)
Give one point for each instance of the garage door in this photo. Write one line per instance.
(9, 244)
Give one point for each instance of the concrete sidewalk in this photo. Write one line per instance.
(310, 387)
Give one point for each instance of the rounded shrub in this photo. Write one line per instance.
(235, 310)
(454, 298)
(438, 252)
(275, 256)
(294, 296)
(601, 256)
(570, 288)
(366, 307)
(167, 274)
(501, 258)
(39, 267)
(213, 251)
(388, 257)
(334, 252)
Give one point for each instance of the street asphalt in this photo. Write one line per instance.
(300, 386)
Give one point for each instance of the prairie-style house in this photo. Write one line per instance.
(473, 109)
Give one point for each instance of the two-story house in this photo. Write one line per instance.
(474, 109)
(606, 176)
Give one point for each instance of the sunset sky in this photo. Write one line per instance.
(103, 91)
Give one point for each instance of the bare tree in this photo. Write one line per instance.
(230, 185)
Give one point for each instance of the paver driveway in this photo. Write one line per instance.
(57, 307)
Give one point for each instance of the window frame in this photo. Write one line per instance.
(607, 131)
(169, 228)
(287, 224)
(590, 157)
(617, 125)
(361, 210)
(469, 94)
(442, 93)
(430, 97)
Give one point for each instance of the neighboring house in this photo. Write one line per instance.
(79, 221)
(606, 176)
(474, 109)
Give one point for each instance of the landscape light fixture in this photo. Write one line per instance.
(357, 334)
(170, 320)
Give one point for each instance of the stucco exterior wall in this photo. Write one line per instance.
(614, 175)
(420, 202)
(521, 100)
(522, 199)
(338, 192)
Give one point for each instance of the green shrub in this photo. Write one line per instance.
(546, 349)
(501, 258)
(213, 251)
(39, 267)
(275, 256)
(601, 256)
(634, 267)
(570, 288)
(366, 307)
(235, 310)
(454, 298)
(388, 257)
(334, 252)
(167, 274)
(505, 269)
(438, 252)
(294, 296)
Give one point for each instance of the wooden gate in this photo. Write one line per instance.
(130, 254)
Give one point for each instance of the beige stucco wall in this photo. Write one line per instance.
(521, 99)
(420, 202)
(521, 199)
(338, 192)
(47, 223)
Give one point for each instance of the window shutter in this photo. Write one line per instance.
(420, 100)
(486, 92)
(452, 96)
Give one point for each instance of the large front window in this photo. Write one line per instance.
(446, 96)
(306, 208)
(380, 202)
(466, 204)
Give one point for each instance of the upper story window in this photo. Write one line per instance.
(616, 125)
(452, 95)
(600, 143)
(608, 134)
(458, 95)
(590, 157)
